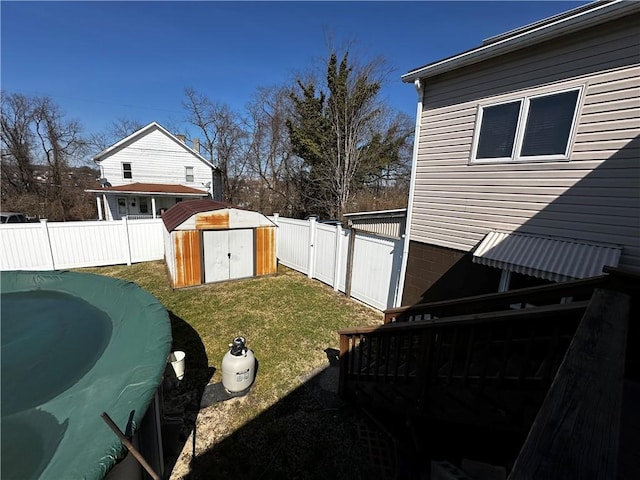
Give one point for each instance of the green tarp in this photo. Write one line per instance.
(74, 345)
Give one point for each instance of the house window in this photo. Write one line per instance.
(126, 170)
(122, 206)
(528, 129)
(189, 174)
(144, 208)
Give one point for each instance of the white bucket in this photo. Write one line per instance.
(177, 362)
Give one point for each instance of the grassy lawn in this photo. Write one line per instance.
(289, 321)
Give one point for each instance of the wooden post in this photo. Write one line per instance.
(352, 244)
(577, 430)
(344, 363)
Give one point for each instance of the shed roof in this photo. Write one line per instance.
(183, 210)
(562, 24)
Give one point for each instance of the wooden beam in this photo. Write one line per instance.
(541, 293)
(344, 363)
(576, 432)
(352, 245)
(475, 318)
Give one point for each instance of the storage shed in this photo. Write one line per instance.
(207, 241)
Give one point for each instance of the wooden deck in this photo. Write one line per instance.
(629, 452)
(549, 381)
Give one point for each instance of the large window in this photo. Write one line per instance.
(144, 206)
(126, 170)
(528, 129)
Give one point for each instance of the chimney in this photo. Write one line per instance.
(181, 137)
(196, 145)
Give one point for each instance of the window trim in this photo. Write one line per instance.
(130, 171)
(525, 102)
(186, 174)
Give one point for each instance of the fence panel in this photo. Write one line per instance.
(146, 240)
(315, 249)
(293, 243)
(376, 269)
(376, 260)
(324, 249)
(24, 247)
(59, 245)
(88, 244)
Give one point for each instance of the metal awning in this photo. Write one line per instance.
(553, 258)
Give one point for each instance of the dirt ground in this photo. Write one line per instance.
(309, 434)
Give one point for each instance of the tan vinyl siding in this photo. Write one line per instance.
(593, 197)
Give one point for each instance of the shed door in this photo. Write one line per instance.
(228, 254)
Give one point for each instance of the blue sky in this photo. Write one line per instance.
(100, 61)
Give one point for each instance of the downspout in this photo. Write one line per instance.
(414, 166)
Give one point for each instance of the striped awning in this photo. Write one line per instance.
(553, 258)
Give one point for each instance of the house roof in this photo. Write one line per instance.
(553, 258)
(183, 210)
(143, 131)
(558, 25)
(155, 188)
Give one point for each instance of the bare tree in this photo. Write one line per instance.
(17, 166)
(39, 147)
(119, 129)
(61, 144)
(274, 169)
(225, 141)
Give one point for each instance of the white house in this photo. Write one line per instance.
(526, 163)
(149, 171)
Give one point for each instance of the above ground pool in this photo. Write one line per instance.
(75, 345)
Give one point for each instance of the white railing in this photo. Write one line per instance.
(322, 252)
(59, 245)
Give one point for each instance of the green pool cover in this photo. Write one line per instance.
(74, 345)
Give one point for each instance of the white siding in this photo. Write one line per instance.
(593, 197)
(155, 158)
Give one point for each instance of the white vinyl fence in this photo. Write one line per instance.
(318, 250)
(60, 245)
(322, 252)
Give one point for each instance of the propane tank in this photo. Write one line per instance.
(238, 366)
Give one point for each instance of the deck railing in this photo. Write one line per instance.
(490, 353)
(577, 430)
(522, 298)
(553, 374)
